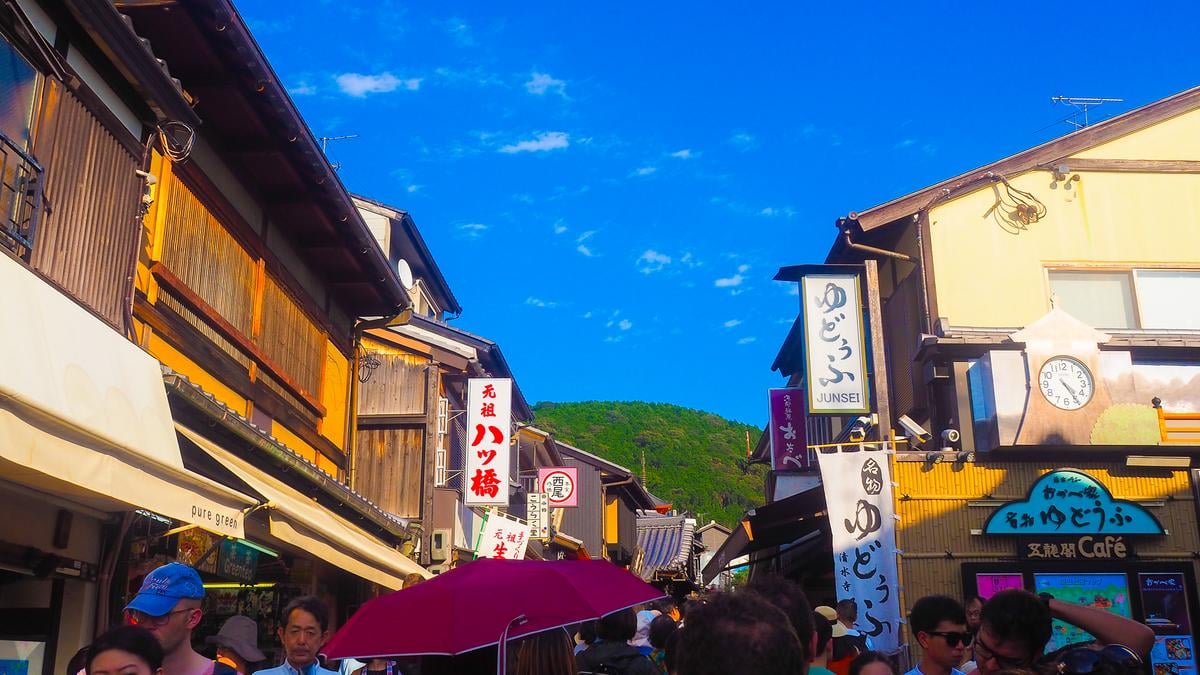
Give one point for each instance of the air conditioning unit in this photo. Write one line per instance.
(439, 569)
(439, 544)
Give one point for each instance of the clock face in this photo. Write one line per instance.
(1066, 383)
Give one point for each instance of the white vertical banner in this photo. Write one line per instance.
(489, 425)
(537, 511)
(834, 347)
(858, 495)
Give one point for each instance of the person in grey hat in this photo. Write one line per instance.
(237, 644)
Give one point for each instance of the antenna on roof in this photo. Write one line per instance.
(1081, 105)
(325, 146)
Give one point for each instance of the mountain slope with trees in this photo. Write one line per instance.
(694, 459)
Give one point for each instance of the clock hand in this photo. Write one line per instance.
(1063, 382)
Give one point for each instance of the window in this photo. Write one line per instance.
(18, 85)
(1099, 299)
(1136, 298)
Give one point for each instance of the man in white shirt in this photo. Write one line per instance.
(939, 625)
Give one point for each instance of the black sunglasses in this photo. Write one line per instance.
(1085, 661)
(953, 638)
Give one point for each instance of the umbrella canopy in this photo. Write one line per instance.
(472, 606)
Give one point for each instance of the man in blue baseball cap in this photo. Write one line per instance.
(168, 605)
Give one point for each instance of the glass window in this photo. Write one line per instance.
(1169, 298)
(17, 87)
(1099, 299)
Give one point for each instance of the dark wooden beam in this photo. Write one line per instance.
(429, 467)
(879, 378)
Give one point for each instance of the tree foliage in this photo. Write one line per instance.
(694, 459)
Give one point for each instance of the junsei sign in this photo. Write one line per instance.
(834, 349)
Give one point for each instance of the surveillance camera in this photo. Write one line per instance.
(858, 434)
(951, 436)
(915, 432)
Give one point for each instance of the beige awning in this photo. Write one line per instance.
(303, 523)
(57, 460)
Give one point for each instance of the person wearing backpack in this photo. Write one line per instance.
(612, 654)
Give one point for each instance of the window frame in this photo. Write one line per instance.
(1129, 269)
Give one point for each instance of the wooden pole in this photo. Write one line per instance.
(878, 373)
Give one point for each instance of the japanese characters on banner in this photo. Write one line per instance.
(858, 491)
(537, 508)
(489, 422)
(560, 483)
(502, 536)
(789, 446)
(834, 349)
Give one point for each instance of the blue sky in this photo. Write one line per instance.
(610, 188)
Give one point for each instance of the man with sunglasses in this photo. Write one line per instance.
(168, 605)
(939, 625)
(1015, 626)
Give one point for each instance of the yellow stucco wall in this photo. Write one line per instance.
(611, 519)
(175, 360)
(1176, 138)
(992, 273)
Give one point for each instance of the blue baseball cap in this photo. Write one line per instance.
(163, 588)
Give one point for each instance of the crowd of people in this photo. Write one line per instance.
(765, 628)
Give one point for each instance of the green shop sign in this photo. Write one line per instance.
(1071, 502)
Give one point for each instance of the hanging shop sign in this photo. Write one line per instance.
(502, 536)
(1086, 547)
(537, 509)
(789, 443)
(1071, 502)
(198, 548)
(489, 425)
(237, 561)
(561, 485)
(858, 492)
(1165, 609)
(834, 343)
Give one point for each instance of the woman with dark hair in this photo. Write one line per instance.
(661, 630)
(871, 663)
(125, 650)
(546, 653)
(612, 653)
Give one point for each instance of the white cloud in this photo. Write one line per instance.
(793, 289)
(652, 261)
(359, 85)
(729, 282)
(747, 340)
(540, 83)
(584, 251)
(732, 323)
(625, 324)
(559, 228)
(585, 236)
(302, 89)
(473, 229)
(460, 31)
(743, 141)
(587, 315)
(743, 268)
(769, 211)
(645, 171)
(546, 140)
(413, 188)
(685, 153)
(690, 260)
(538, 302)
(906, 143)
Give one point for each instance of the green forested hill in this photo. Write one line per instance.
(694, 459)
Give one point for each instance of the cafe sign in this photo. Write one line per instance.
(1087, 547)
(1068, 502)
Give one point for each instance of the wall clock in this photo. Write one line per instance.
(1066, 383)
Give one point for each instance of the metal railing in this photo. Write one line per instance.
(20, 198)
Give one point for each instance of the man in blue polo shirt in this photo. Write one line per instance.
(304, 630)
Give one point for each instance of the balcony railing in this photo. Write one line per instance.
(20, 198)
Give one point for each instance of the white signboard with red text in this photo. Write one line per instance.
(489, 425)
(503, 536)
(560, 484)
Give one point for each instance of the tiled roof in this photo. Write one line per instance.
(665, 543)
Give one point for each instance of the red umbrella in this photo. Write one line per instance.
(484, 603)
